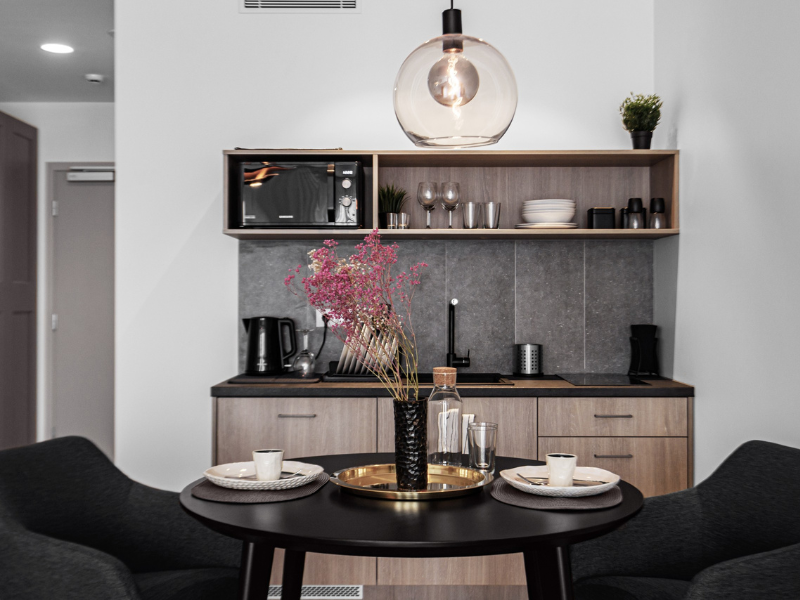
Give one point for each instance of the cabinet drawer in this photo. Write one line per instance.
(654, 465)
(301, 426)
(612, 417)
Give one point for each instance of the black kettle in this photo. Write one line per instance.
(266, 354)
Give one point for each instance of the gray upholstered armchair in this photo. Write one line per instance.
(735, 536)
(72, 526)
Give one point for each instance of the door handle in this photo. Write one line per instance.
(613, 416)
(309, 416)
(613, 455)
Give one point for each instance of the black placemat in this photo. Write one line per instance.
(508, 494)
(205, 490)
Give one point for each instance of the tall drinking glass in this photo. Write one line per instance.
(482, 444)
(427, 195)
(450, 197)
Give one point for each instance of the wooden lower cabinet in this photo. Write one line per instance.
(648, 443)
(516, 436)
(302, 427)
(655, 465)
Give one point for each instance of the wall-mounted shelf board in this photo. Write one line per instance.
(457, 234)
(590, 177)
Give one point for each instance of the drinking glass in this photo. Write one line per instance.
(427, 195)
(482, 443)
(450, 196)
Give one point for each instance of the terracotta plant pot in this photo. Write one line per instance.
(411, 444)
(641, 139)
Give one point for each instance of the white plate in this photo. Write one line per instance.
(575, 491)
(546, 225)
(241, 476)
(549, 201)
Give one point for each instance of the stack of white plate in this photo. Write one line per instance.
(550, 213)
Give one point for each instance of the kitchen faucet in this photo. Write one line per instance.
(453, 360)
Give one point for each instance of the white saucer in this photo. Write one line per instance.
(546, 225)
(574, 491)
(241, 476)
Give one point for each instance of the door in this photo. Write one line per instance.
(17, 282)
(83, 308)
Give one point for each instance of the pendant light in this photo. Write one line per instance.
(455, 91)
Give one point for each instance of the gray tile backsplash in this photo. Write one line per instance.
(577, 298)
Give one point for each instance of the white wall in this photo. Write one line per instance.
(68, 132)
(727, 72)
(194, 79)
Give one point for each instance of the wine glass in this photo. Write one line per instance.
(427, 195)
(450, 196)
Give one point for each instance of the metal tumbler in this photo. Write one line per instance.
(491, 215)
(472, 214)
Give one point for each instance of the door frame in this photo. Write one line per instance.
(45, 322)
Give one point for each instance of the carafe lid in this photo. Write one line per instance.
(444, 376)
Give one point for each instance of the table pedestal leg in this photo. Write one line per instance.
(293, 565)
(255, 571)
(548, 573)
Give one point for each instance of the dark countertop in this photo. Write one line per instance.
(656, 388)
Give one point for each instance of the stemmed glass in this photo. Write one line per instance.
(427, 195)
(450, 196)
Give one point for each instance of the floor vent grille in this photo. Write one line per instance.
(300, 6)
(323, 592)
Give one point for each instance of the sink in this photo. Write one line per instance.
(466, 378)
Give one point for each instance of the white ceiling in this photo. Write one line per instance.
(29, 74)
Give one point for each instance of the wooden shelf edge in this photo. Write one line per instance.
(455, 234)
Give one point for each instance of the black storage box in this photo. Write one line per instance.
(601, 218)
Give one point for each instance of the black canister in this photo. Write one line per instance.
(601, 218)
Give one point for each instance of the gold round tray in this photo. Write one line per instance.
(380, 481)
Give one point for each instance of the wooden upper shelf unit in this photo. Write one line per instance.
(593, 178)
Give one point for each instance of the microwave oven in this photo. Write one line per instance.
(307, 194)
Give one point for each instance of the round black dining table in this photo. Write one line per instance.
(333, 521)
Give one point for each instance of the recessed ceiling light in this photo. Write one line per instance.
(58, 48)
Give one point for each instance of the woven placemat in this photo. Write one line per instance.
(205, 490)
(508, 494)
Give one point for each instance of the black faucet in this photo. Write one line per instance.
(453, 360)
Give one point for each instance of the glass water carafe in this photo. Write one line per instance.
(444, 419)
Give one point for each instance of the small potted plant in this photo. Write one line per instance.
(640, 116)
(391, 200)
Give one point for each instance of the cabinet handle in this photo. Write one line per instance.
(613, 416)
(280, 416)
(613, 455)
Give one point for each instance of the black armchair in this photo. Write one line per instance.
(734, 536)
(73, 526)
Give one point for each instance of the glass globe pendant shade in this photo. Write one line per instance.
(455, 91)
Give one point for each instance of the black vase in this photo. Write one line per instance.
(641, 139)
(411, 444)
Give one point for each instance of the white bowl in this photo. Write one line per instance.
(547, 202)
(241, 476)
(554, 216)
(573, 491)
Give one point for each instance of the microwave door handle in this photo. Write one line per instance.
(331, 188)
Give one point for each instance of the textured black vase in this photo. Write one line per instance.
(411, 444)
(641, 139)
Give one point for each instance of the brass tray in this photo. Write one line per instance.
(380, 481)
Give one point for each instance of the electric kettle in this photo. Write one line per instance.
(266, 352)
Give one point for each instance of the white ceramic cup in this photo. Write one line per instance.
(562, 468)
(268, 464)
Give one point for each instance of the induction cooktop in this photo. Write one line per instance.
(600, 379)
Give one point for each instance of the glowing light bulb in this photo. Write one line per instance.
(453, 80)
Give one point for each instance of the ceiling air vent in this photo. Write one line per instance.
(300, 6)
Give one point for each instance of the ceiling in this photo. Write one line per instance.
(29, 74)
